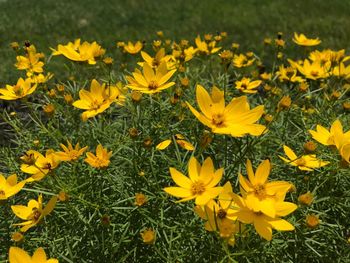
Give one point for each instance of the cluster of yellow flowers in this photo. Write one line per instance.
(261, 202)
(223, 112)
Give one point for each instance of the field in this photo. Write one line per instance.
(219, 134)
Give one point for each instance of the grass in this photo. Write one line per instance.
(48, 23)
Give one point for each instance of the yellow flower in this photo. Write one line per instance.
(205, 48)
(133, 48)
(38, 165)
(98, 99)
(219, 215)
(341, 71)
(306, 198)
(151, 81)
(180, 140)
(69, 153)
(305, 162)
(264, 224)
(334, 136)
(236, 119)
(21, 89)
(18, 255)
(158, 59)
(140, 199)
(17, 237)
(9, 186)
(284, 103)
(312, 221)
(241, 61)
(247, 86)
(148, 236)
(302, 40)
(85, 52)
(101, 159)
(31, 62)
(314, 70)
(201, 184)
(345, 152)
(288, 74)
(34, 212)
(259, 191)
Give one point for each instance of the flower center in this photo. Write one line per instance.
(95, 104)
(47, 166)
(290, 73)
(35, 214)
(2, 194)
(314, 73)
(198, 188)
(155, 62)
(222, 213)
(153, 85)
(28, 159)
(218, 120)
(73, 154)
(259, 191)
(18, 90)
(301, 162)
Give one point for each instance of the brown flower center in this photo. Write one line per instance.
(218, 120)
(17, 89)
(153, 85)
(222, 213)
(155, 62)
(95, 105)
(35, 216)
(259, 191)
(300, 162)
(314, 73)
(198, 188)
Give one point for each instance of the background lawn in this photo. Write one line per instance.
(47, 23)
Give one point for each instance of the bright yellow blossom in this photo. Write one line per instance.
(133, 48)
(158, 59)
(151, 81)
(259, 191)
(314, 70)
(31, 62)
(236, 119)
(242, 61)
(263, 223)
(305, 162)
(200, 185)
(18, 255)
(98, 99)
(219, 215)
(21, 89)
(180, 140)
(288, 74)
(101, 159)
(85, 52)
(34, 212)
(334, 136)
(203, 47)
(302, 40)
(247, 86)
(9, 186)
(69, 153)
(38, 165)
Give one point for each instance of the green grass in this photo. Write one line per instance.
(48, 23)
